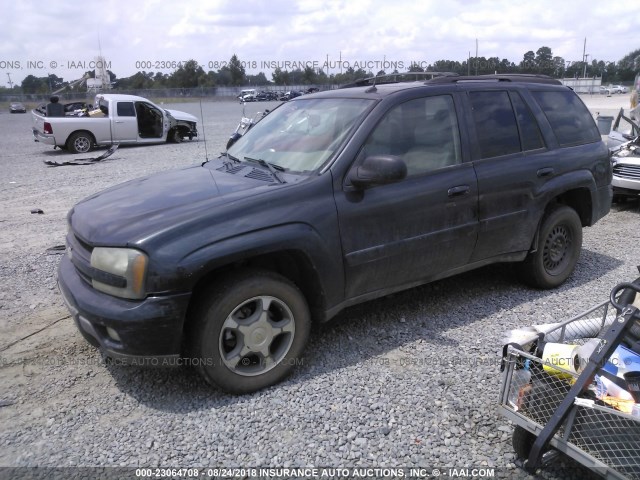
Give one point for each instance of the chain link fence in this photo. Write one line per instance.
(221, 93)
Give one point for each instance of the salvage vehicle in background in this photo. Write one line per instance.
(626, 170)
(17, 107)
(122, 119)
(624, 145)
(618, 89)
(330, 200)
(623, 130)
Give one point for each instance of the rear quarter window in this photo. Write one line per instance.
(571, 121)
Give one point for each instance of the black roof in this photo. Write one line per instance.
(449, 77)
(366, 88)
(514, 77)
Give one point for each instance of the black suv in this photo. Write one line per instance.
(330, 200)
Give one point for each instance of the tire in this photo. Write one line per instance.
(628, 295)
(559, 246)
(232, 339)
(175, 136)
(522, 441)
(80, 142)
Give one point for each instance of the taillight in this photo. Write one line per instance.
(47, 128)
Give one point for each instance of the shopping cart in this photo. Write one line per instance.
(563, 408)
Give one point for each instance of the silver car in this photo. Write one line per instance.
(624, 144)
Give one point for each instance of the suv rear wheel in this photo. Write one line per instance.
(559, 245)
(249, 331)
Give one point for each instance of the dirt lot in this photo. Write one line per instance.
(60, 405)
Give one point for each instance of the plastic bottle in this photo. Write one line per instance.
(519, 381)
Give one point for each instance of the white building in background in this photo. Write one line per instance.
(583, 85)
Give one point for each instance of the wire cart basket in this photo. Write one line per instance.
(563, 407)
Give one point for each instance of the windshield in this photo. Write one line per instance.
(303, 135)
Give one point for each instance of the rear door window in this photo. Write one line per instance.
(530, 135)
(495, 121)
(568, 116)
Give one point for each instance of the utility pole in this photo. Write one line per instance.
(584, 52)
(10, 82)
(476, 57)
(586, 57)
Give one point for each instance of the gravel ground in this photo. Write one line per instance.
(408, 380)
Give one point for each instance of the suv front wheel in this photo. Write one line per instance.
(249, 331)
(559, 245)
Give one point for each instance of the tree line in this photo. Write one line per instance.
(191, 74)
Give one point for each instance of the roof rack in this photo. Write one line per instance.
(507, 77)
(397, 78)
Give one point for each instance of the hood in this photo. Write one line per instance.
(178, 115)
(133, 211)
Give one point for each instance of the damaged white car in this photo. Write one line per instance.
(624, 144)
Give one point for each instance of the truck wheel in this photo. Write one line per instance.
(175, 136)
(249, 331)
(559, 245)
(80, 142)
(522, 441)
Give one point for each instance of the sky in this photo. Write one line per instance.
(64, 37)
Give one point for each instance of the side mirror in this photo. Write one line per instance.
(233, 139)
(378, 170)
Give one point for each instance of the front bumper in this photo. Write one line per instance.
(43, 137)
(626, 175)
(620, 183)
(148, 331)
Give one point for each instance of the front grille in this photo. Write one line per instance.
(80, 256)
(632, 172)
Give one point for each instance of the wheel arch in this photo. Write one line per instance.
(578, 199)
(88, 132)
(186, 129)
(293, 264)
(581, 201)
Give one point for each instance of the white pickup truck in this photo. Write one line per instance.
(122, 119)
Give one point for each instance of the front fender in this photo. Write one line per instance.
(321, 253)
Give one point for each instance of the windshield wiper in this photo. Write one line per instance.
(270, 166)
(227, 163)
(230, 157)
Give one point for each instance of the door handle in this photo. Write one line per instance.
(119, 121)
(458, 191)
(545, 172)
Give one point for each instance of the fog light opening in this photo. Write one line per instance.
(113, 334)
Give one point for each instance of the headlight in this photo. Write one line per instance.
(120, 272)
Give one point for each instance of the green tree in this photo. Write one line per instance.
(308, 76)
(558, 67)
(544, 61)
(187, 75)
(236, 70)
(280, 77)
(259, 79)
(628, 66)
(31, 84)
(528, 62)
(224, 76)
